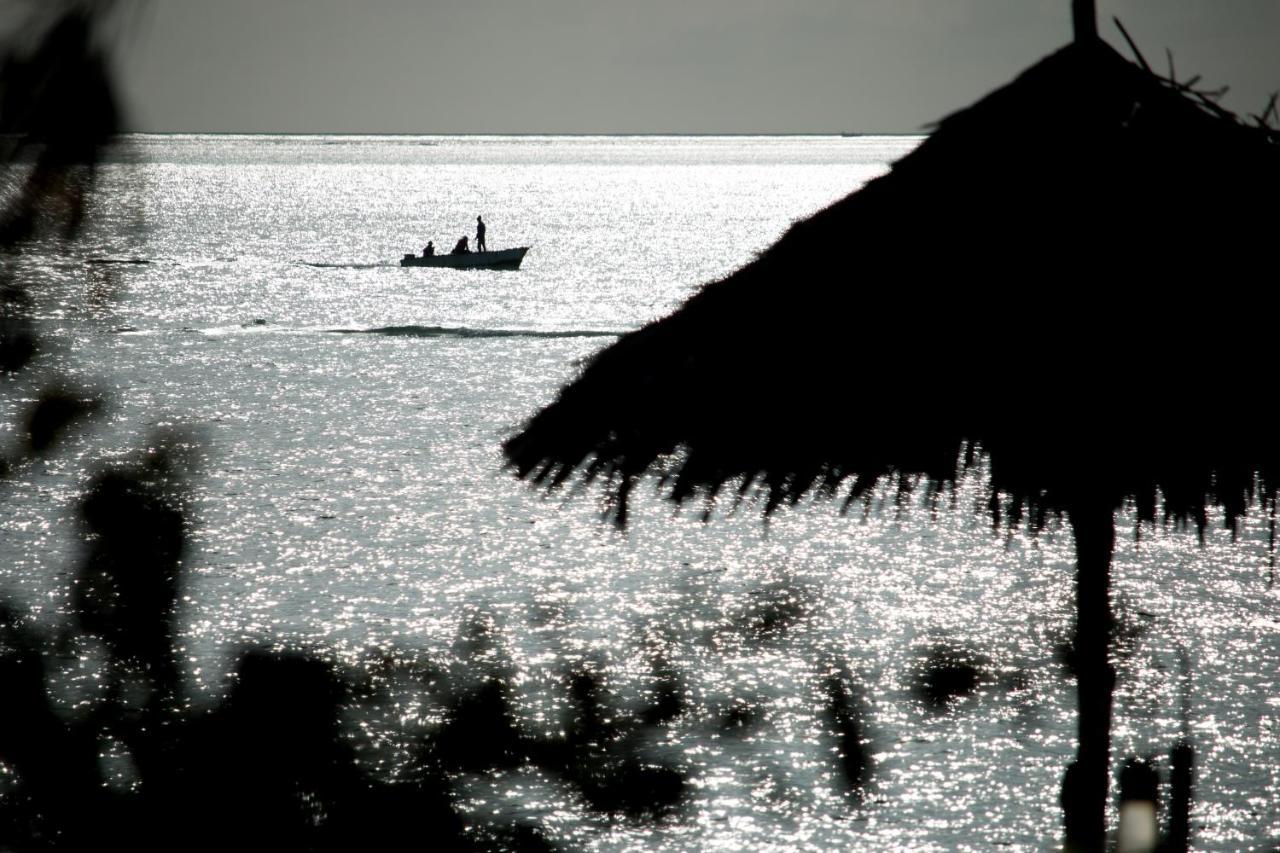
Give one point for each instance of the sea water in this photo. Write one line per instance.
(349, 497)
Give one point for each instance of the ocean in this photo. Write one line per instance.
(349, 497)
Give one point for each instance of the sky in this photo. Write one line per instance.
(637, 66)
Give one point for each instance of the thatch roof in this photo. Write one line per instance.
(1072, 277)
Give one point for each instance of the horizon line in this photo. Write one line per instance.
(829, 134)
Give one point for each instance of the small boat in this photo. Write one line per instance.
(503, 259)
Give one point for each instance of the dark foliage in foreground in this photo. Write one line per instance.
(947, 673)
(271, 765)
(274, 764)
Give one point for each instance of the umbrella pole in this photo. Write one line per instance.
(1085, 786)
(1084, 20)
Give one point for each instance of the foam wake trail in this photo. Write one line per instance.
(324, 266)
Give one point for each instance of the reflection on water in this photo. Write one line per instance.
(898, 680)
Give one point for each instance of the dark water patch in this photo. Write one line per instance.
(447, 332)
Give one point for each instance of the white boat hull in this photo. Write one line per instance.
(503, 259)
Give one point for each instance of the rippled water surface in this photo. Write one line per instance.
(350, 497)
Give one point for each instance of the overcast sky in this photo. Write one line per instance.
(638, 66)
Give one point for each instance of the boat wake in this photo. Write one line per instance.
(463, 332)
(128, 261)
(260, 326)
(134, 261)
(327, 266)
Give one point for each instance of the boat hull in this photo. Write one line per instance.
(503, 259)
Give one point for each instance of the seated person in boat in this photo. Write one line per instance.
(429, 249)
(461, 248)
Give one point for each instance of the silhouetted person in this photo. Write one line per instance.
(480, 244)
(461, 247)
(429, 249)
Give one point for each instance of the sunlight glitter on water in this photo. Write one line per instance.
(351, 496)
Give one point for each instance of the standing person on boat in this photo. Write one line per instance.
(429, 249)
(480, 246)
(461, 247)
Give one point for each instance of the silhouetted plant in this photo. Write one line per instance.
(126, 589)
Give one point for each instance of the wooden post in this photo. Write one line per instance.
(1084, 18)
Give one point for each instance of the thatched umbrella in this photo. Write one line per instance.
(1066, 278)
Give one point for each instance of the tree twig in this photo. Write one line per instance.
(1137, 53)
(1270, 112)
